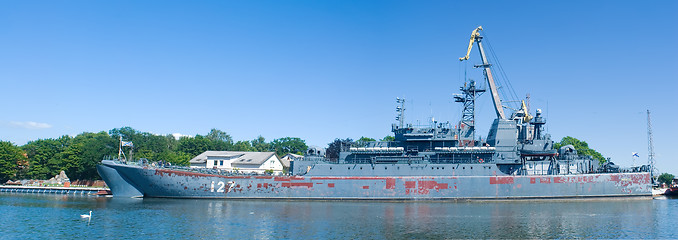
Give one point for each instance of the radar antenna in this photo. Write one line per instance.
(401, 112)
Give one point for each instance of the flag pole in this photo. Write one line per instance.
(120, 149)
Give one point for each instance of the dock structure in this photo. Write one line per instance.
(52, 190)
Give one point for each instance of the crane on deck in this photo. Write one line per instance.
(477, 38)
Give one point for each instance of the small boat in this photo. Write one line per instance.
(103, 193)
(671, 192)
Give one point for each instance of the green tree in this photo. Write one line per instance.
(43, 156)
(243, 146)
(85, 151)
(149, 145)
(172, 142)
(71, 159)
(260, 145)
(176, 158)
(218, 135)
(665, 178)
(12, 158)
(93, 148)
(283, 146)
(582, 148)
(127, 133)
(362, 142)
(388, 138)
(221, 141)
(194, 145)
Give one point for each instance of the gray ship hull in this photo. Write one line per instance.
(119, 185)
(161, 182)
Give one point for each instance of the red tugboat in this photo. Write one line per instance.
(671, 192)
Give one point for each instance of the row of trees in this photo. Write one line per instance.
(79, 155)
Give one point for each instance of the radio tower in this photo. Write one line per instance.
(650, 145)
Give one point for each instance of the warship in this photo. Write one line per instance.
(517, 160)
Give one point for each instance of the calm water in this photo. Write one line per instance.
(40, 216)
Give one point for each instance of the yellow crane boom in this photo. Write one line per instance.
(474, 34)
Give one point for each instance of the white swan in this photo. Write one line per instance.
(87, 215)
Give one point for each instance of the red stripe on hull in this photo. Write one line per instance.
(297, 184)
(501, 180)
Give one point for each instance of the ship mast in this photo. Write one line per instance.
(467, 123)
(477, 38)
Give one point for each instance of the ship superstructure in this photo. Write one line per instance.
(517, 145)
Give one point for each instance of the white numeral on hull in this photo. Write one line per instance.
(221, 185)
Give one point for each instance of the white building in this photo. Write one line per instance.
(245, 162)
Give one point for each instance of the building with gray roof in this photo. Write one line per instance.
(245, 162)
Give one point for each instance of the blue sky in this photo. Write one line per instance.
(321, 70)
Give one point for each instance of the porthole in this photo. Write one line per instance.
(452, 168)
(330, 168)
(463, 168)
(385, 168)
(361, 168)
(443, 168)
(471, 167)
